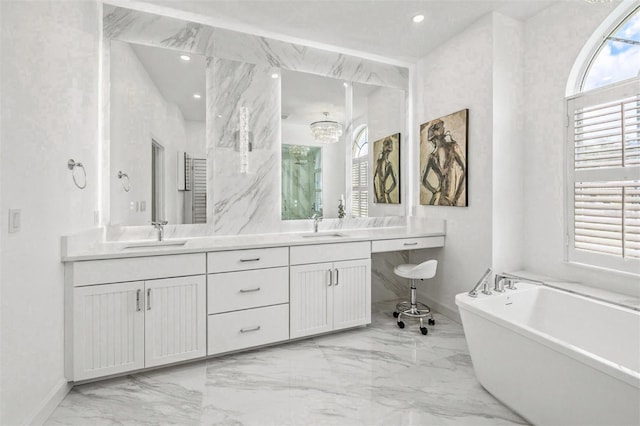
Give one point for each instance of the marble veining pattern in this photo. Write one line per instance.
(378, 375)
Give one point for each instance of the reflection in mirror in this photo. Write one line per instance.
(158, 135)
(305, 99)
(301, 181)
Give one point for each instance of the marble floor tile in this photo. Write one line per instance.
(374, 375)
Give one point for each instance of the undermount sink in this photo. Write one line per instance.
(323, 234)
(150, 244)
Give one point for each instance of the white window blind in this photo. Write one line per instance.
(359, 190)
(604, 177)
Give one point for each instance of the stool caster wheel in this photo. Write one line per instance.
(395, 315)
(424, 330)
(431, 322)
(400, 324)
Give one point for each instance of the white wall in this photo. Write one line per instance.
(139, 113)
(196, 132)
(455, 76)
(49, 114)
(553, 40)
(508, 144)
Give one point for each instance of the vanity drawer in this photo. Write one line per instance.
(319, 253)
(242, 260)
(406, 244)
(230, 291)
(137, 268)
(244, 329)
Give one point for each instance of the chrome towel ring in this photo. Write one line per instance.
(71, 164)
(126, 185)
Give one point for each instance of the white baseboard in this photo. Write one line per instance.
(452, 314)
(51, 401)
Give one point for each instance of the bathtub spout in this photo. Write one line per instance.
(484, 282)
(505, 280)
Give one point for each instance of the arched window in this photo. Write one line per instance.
(359, 174)
(603, 155)
(618, 57)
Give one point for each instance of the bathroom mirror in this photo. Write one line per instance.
(158, 135)
(149, 170)
(365, 113)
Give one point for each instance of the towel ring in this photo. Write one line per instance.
(71, 164)
(125, 185)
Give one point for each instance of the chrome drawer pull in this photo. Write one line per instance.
(330, 277)
(250, 260)
(249, 290)
(138, 300)
(248, 330)
(337, 276)
(411, 244)
(148, 299)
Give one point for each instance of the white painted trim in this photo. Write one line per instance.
(50, 403)
(143, 6)
(592, 45)
(452, 314)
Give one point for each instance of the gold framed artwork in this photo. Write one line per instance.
(386, 170)
(443, 160)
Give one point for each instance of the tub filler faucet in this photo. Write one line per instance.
(504, 280)
(484, 282)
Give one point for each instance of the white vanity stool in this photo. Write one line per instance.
(413, 308)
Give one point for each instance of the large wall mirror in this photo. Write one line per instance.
(362, 111)
(176, 93)
(158, 135)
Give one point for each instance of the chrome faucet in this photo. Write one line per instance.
(484, 282)
(510, 281)
(159, 225)
(316, 220)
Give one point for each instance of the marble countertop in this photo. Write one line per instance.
(122, 249)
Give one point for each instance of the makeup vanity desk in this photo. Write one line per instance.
(138, 304)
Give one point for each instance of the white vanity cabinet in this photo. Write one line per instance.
(333, 294)
(247, 298)
(115, 327)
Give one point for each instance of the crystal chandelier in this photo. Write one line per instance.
(326, 131)
(299, 153)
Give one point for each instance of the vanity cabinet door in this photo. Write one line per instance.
(351, 293)
(175, 319)
(108, 329)
(311, 299)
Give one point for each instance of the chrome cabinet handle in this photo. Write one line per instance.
(148, 299)
(250, 260)
(250, 329)
(330, 277)
(138, 300)
(249, 290)
(337, 277)
(411, 244)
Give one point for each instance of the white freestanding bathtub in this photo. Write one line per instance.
(554, 357)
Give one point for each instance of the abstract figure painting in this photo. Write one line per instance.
(386, 170)
(443, 160)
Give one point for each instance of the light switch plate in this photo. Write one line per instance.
(15, 217)
(143, 206)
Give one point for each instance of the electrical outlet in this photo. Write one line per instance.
(15, 217)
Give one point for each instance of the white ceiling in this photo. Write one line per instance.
(379, 27)
(176, 79)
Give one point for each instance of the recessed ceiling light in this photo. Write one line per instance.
(197, 95)
(185, 58)
(418, 18)
(274, 75)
